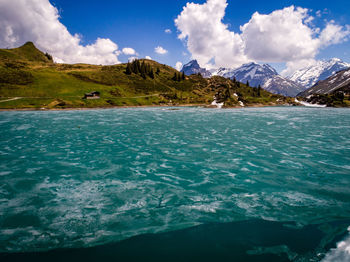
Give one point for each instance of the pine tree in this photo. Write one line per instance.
(175, 77)
(134, 67)
(247, 83)
(151, 74)
(158, 71)
(178, 77)
(49, 57)
(259, 89)
(183, 76)
(143, 70)
(138, 65)
(128, 69)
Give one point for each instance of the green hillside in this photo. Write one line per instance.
(30, 79)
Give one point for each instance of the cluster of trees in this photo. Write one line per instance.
(143, 69)
(179, 76)
(49, 57)
(256, 90)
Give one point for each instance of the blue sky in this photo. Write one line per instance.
(140, 25)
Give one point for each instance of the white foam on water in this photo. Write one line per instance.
(5, 173)
(208, 208)
(341, 253)
(23, 127)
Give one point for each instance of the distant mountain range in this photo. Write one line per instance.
(263, 75)
(268, 78)
(309, 76)
(338, 82)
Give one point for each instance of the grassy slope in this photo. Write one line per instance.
(27, 73)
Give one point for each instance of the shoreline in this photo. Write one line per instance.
(137, 106)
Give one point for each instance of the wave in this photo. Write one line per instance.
(341, 253)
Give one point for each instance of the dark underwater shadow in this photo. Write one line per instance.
(248, 241)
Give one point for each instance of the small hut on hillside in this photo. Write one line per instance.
(92, 95)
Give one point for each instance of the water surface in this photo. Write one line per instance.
(81, 179)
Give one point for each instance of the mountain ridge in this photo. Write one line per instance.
(335, 83)
(309, 76)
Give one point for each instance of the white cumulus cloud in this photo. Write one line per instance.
(178, 66)
(160, 50)
(168, 31)
(38, 21)
(280, 36)
(129, 51)
(148, 57)
(207, 37)
(287, 35)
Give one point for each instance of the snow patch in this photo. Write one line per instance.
(218, 105)
(309, 105)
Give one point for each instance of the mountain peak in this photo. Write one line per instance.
(309, 76)
(28, 44)
(193, 67)
(334, 59)
(264, 75)
(29, 52)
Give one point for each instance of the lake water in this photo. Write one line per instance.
(191, 184)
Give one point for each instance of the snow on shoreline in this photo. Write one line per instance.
(218, 105)
(309, 105)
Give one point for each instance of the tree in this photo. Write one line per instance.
(175, 77)
(199, 74)
(183, 76)
(138, 65)
(143, 70)
(259, 89)
(179, 77)
(247, 83)
(134, 67)
(128, 70)
(49, 57)
(151, 74)
(158, 71)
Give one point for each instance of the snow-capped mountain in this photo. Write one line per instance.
(277, 84)
(193, 68)
(263, 75)
(309, 76)
(338, 82)
(252, 72)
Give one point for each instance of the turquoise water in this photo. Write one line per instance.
(81, 179)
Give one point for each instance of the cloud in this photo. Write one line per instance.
(168, 31)
(280, 36)
(334, 34)
(207, 38)
(178, 66)
(160, 50)
(38, 21)
(129, 51)
(132, 58)
(148, 57)
(287, 35)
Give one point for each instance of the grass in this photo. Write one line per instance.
(28, 73)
